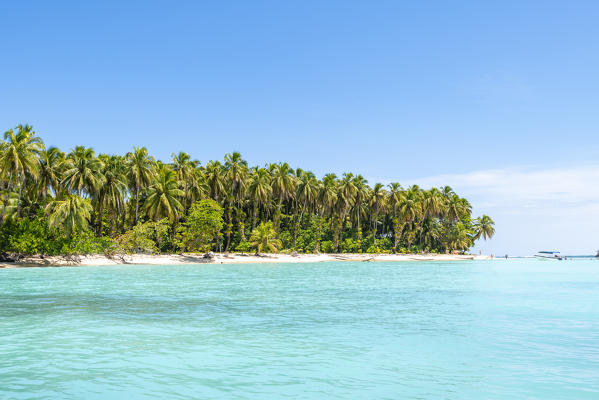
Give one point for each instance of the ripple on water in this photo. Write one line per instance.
(517, 329)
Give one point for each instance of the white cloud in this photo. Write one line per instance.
(533, 208)
(527, 189)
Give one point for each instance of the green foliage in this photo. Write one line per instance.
(265, 237)
(163, 196)
(373, 250)
(460, 237)
(86, 243)
(8, 204)
(351, 245)
(84, 192)
(484, 227)
(202, 227)
(326, 246)
(286, 239)
(385, 244)
(70, 213)
(146, 238)
(29, 237)
(244, 247)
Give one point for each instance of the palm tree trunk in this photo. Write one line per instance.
(100, 211)
(277, 218)
(136, 201)
(410, 236)
(374, 227)
(359, 227)
(396, 232)
(19, 200)
(6, 196)
(338, 228)
(240, 221)
(297, 225)
(229, 227)
(255, 216)
(113, 221)
(185, 203)
(318, 235)
(397, 235)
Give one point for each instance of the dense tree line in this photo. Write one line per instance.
(80, 201)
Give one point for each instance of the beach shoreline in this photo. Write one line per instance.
(225, 258)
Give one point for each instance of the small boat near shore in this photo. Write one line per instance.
(549, 255)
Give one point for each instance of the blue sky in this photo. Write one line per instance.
(425, 92)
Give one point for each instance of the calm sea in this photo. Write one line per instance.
(515, 329)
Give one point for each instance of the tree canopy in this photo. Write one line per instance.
(202, 226)
(216, 205)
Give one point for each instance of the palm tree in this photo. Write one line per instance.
(459, 237)
(237, 176)
(112, 193)
(141, 172)
(360, 195)
(447, 192)
(346, 192)
(457, 208)
(237, 172)
(327, 196)
(325, 204)
(259, 191)
(483, 227)
(329, 209)
(19, 153)
(9, 205)
(433, 203)
(283, 185)
(184, 168)
(163, 194)
(83, 171)
(70, 213)
(430, 233)
(50, 171)
(265, 237)
(396, 194)
(410, 208)
(198, 188)
(214, 174)
(307, 191)
(378, 197)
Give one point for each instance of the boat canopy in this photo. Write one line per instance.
(549, 252)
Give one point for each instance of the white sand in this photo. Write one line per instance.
(222, 258)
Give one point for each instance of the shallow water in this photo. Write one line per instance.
(445, 330)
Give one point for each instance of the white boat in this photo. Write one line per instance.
(549, 255)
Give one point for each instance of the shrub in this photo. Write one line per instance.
(86, 243)
(350, 245)
(326, 246)
(202, 227)
(244, 247)
(147, 237)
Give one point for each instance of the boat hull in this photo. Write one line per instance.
(544, 258)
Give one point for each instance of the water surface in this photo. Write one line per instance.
(516, 329)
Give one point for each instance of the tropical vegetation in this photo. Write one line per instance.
(52, 202)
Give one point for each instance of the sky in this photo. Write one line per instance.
(496, 99)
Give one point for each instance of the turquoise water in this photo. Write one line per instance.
(516, 329)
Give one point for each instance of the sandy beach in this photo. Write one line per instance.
(222, 258)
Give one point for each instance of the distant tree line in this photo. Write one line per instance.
(53, 202)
